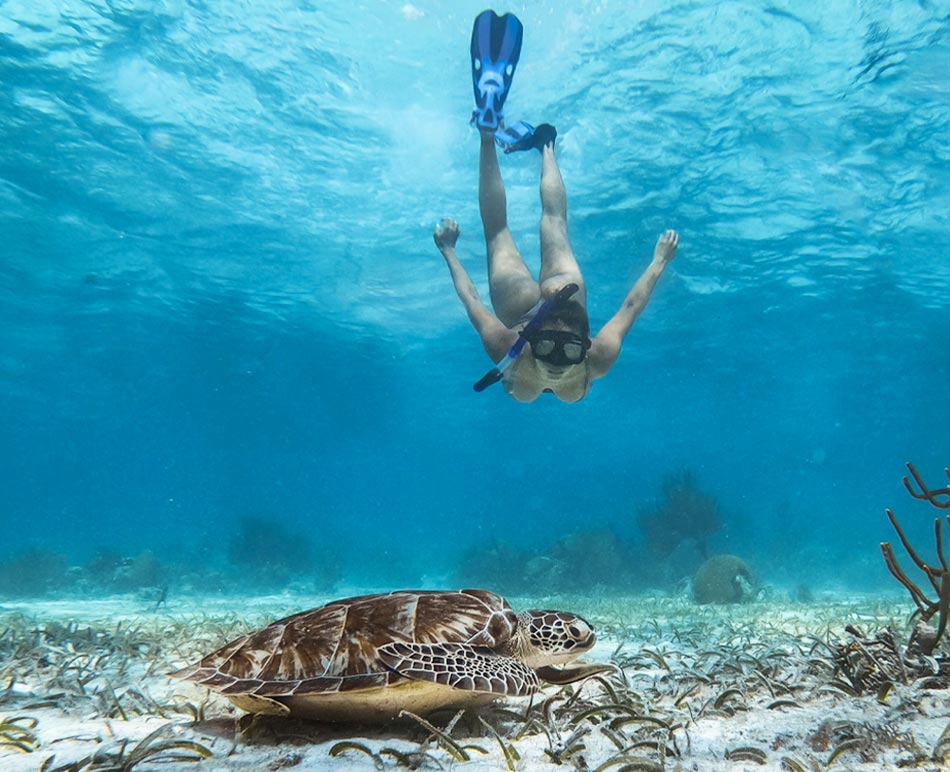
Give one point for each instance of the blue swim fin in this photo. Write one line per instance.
(496, 46)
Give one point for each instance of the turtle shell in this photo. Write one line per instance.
(326, 663)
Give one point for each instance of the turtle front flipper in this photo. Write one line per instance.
(254, 704)
(461, 666)
(570, 674)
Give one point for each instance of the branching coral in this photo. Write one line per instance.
(685, 513)
(938, 576)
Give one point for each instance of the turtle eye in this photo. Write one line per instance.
(575, 632)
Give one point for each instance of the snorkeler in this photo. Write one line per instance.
(539, 335)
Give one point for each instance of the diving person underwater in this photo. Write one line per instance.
(539, 333)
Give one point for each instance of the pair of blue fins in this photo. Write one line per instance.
(496, 48)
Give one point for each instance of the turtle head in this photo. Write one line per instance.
(553, 637)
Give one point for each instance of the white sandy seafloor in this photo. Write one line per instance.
(742, 687)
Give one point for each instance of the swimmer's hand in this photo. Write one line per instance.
(665, 249)
(446, 234)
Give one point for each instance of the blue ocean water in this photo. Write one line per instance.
(220, 299)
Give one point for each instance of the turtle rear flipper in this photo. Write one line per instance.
(461, 666)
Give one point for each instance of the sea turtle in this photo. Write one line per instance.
(369, 657)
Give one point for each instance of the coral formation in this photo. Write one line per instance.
(876, 664)
(37, 572)
(495, 564)
(262, 555)
(938, 576)
(675, 534)
(268, 554)
(723, 579)
(110, 571)
(579, 562)
(33, 573)
(684, 513)
(583, 561)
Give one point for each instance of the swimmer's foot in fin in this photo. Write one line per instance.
(524, 136)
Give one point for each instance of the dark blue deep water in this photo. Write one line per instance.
(220, 299)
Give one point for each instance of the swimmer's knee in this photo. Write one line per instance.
(555, 282)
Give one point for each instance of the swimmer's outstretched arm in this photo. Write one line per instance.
(496, 338)
(606, 346)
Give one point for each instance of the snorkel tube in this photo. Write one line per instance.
(494, 375)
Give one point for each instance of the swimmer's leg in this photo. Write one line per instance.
(514, 291)
(558, 264)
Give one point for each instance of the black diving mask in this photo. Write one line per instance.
(559, 347)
